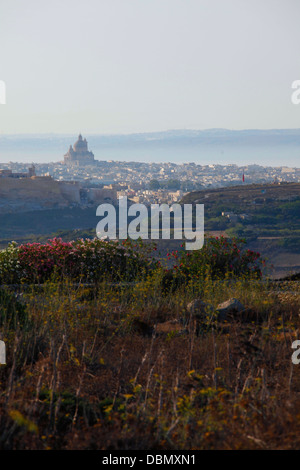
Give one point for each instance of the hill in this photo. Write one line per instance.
(266, 215)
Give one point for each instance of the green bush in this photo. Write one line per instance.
(220, 258)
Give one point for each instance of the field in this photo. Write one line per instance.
(131, 364)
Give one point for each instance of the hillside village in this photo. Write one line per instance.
(192, 174)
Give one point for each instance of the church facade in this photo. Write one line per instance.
(79, 153)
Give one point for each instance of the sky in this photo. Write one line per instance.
(127, 66)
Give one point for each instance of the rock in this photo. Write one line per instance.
(229, 308)
(199, 309)
(171, 326)
(199, 312)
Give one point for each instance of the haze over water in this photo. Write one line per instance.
(51, 148)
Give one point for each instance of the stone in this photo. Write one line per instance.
(199, 309)
(229, 308)
(169, 327)
(199, 312)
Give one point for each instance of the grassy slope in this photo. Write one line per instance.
(129, 369)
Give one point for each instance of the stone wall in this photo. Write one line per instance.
(36, 193)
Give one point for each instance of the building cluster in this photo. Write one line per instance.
(9, 173)
(148, 196)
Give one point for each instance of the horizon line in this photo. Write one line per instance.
(152, 132)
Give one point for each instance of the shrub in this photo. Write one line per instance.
(220, 258)
(9, 264)
(80, 260)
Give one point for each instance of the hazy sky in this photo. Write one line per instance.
(122, 66)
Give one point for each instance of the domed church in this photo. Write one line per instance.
(79, 153)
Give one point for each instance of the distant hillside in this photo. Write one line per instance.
(24, 225)
(247, 194)
(266, 215)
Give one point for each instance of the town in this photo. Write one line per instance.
(141, 182)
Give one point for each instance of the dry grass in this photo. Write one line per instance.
(126, 368)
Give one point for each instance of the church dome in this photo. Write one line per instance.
(79, 152)
(80, 144)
